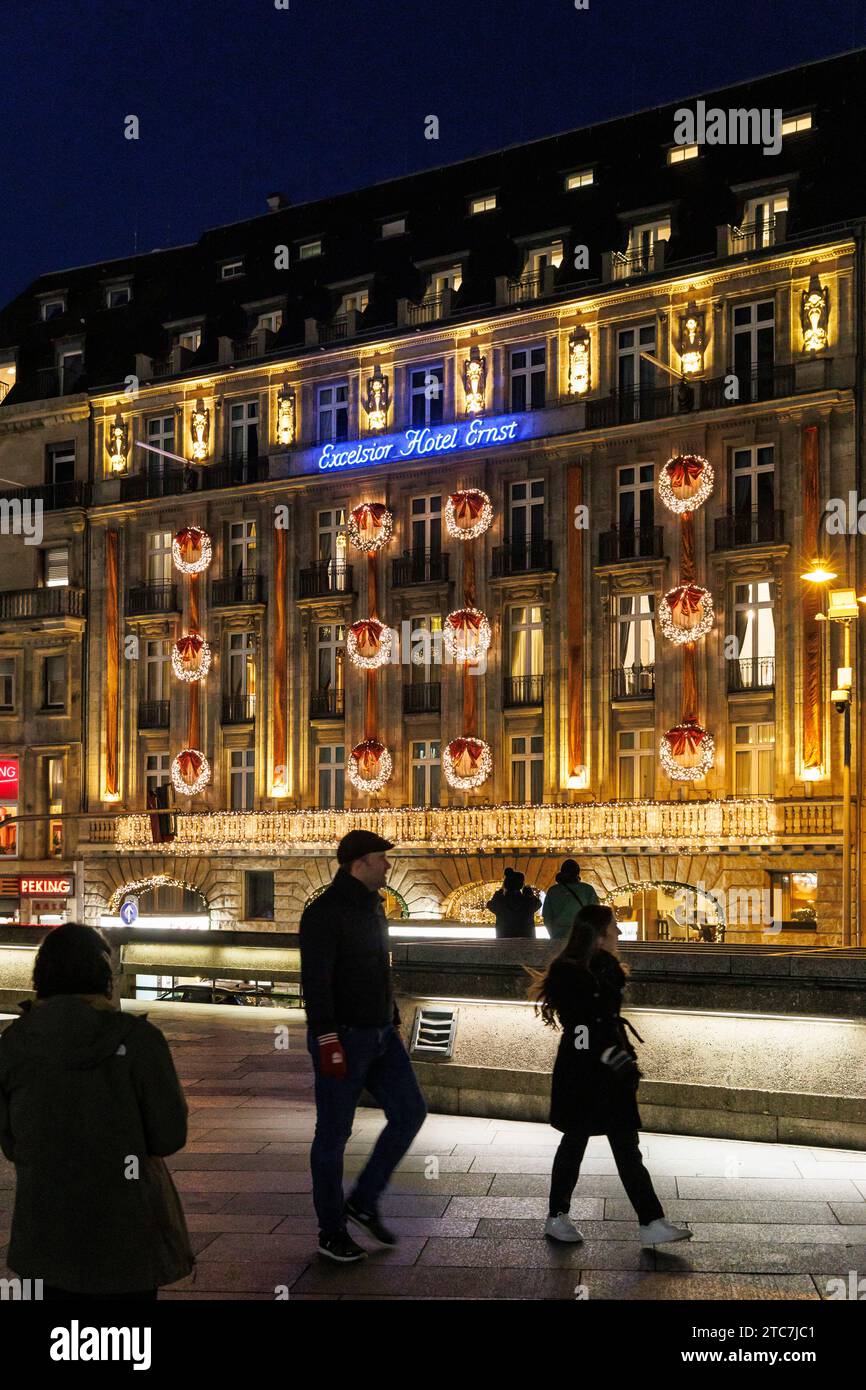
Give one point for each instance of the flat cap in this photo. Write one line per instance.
(358, 843)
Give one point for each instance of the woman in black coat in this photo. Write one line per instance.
(595, 1076)
(514, 907)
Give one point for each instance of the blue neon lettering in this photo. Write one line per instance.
(418, 443)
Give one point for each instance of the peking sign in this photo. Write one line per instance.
(428, 441)
(47, 886)
(8, 779)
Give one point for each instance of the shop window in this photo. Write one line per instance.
(8, 833)
(795, 899)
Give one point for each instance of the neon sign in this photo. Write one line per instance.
(423, 442)
(57, 886)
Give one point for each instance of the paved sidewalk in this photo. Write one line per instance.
(770, 1221)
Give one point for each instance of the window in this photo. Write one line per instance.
(190, 339)
(54, 799)
(308, 249)
(542, 256)
(527, 369)
(678, 154)
(52, 308)
(241, 670)
(753, 475)
(159, 559)
(754, 667)
(71, 366)
(244, 430)
(526, 631)
(635, 642)
(242, 547)
(450, 279)
(635, 764)
(230, 270)
(797, 897)
(396, 227)
(581, 178)
(272, 321)
(759, 220)
(161, 441)
(157, 771)
(426, 771)
(330, 776)
(333, 411)
(486, 202)
(54, 682)
(55, 567)
(754, 745)
(754, 339)
(259, 894)
(117, 295)
(635, 507)
(356, 302)
(157, 679)
(642, 243)
(330, 655)
(426, 395)
(527, 769)
(8, 845)
(332, 543)
(636, 376)
(794, 125)
(426, 515)
(60, 464)
(525, 513)
(426, 648)
(241, 779)
(7, 684)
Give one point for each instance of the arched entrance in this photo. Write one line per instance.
(468, 903)
(661, 910)
(163, 901)
(396, 907)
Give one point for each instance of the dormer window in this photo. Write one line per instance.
(356, 302)
(542, 256)
(483, 202)
(309, 249)
(441, 280)
(272, 320)
(641, 257)
(759, 224)
(189, 339)
(231, 270)
(580, 178)
(795, 125)
(52, 307)
(678, 154)
(117, 295)
(396, 227)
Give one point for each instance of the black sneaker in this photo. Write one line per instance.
(371, 1223)
(341, 1247)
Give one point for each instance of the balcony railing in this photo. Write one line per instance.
(521, 557)
(334, 330)
(769, 383)
(632, 682)
(154, 482)
(59, 381)
(758, 528)
(238, 709)
(154, 714)
(527, 287)
(54, 497)
(630, 543)
(171, 482)
(753, 236)
(248, 587)
(59, 602)
(752, 673)
(326, 577)
(625, 407)
(327, 704)
(428, 311)
(423, 698)
(235, 472)
(522, 691)
(419, 568)
(151, 598)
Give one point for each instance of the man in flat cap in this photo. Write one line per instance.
(354, 1043)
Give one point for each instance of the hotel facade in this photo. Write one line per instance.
(584, 411)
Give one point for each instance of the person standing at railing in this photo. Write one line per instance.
(565, 898)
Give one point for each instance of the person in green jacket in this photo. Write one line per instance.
(564, 900)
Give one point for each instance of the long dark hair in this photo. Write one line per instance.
(73, 959)
(582, 946)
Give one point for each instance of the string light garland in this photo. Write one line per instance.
(370, 526)
(189, 649)
(137, 886)
(369, 644)
(687, 752)
(370, 765)
(468, 514)
(686, 613)
(467, 763)
(190, 760)
(466, 634)
(192, 539)
(685, 482)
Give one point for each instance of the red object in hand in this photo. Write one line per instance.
(332, 1058)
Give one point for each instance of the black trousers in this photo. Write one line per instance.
(629, 1164)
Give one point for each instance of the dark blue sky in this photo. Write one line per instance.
(236, 98)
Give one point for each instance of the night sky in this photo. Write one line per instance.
(237, 99)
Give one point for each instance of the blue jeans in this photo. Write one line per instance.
(378, 1062)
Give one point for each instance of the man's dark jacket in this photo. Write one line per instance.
(345, 974)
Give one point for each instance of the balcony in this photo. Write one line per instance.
(154, 714)
(419, 568)
(430, 310)
(143, 599)
(54, 497)
(754, 528)
(522, 557)
(171, 482)
(324, 578)
(155, 482)
(632, 683)
(522, 692)
(769, 383)
(423, 698)
(59, 602)
(327, 704)
(59, 381)
(238, 709)
(754, 236)
(236, 472)
(617, 546)
(247, 587)
(626, 407)
(752, 673)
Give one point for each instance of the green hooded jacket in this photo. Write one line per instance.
(562, 904)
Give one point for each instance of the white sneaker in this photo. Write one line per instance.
(561, 1227)
(661, 1232)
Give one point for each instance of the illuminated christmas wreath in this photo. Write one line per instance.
(685, 482)
(467, 763)
(466, 634)
(686, 613)
(369, 643)
(190, 771)
(468, 514)
(687, 752)
(370, 526)
(192, 550)
(191, 657)
(370, 765)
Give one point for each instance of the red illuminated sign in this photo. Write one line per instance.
(8, 779)
(47, 886)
